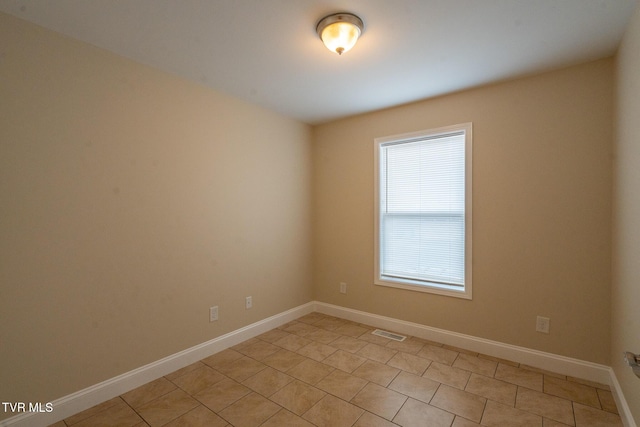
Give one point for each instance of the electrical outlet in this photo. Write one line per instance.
(542, 324)
(343, 288)
(213, 313)
(248, 303)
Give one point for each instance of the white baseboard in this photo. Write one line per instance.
(91, 396)
(621, 402)
(538, 359)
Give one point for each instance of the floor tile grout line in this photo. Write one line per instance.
(573, 412)
(134, 409)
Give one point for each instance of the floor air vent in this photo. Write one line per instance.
(390, 335)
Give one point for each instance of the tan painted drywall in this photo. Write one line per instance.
(625, 306)
(131, 201)
(541, 206)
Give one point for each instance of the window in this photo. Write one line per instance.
(423, 211)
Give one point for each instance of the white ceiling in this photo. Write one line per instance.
(267, 51)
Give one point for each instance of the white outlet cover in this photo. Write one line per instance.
(248, 303)
(542, 324)
(213, 313)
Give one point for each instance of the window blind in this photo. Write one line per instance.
(422, 209)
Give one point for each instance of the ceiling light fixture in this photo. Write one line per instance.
(340, 31)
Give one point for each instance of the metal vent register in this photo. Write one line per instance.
(390, 335)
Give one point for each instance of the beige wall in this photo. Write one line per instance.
(626, 215)
(541, 206)
(130, 202)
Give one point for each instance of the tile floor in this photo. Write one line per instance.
(328, 372)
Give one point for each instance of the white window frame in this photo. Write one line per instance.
(430, 287)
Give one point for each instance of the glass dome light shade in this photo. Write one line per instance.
(340, 32)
